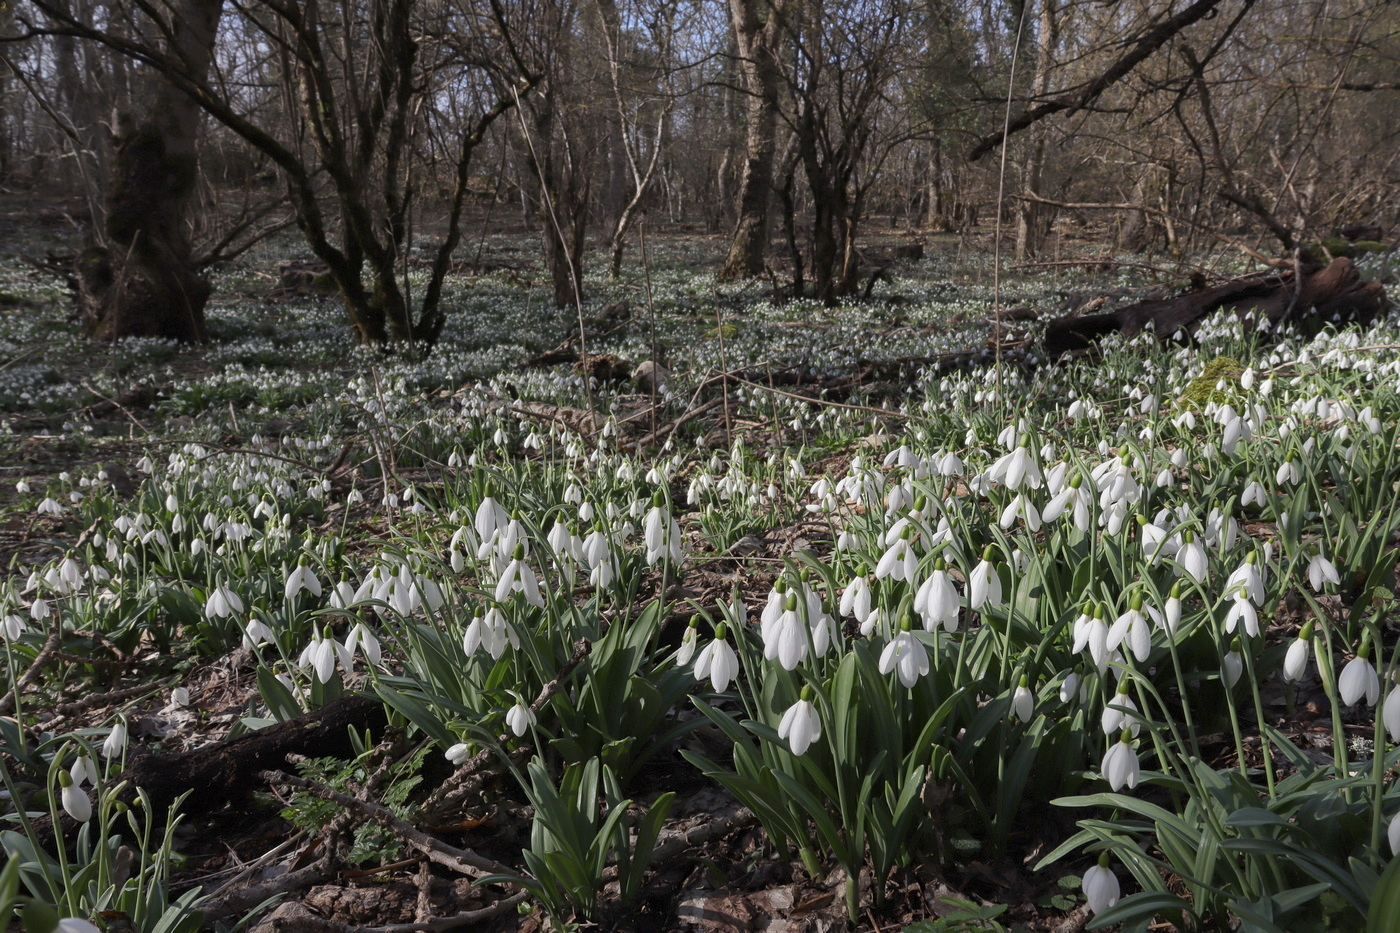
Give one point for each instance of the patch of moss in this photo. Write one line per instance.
(1337, 246)
(1202, 389)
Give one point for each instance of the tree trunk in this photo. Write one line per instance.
(1033, 218)
(143, 283)
(757, 45)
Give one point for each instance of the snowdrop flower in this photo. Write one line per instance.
(800, 724)
(689, 642)
(1390, 713)
(1191, 557)
(115, 743)
(301, 578)
(785, 639)
(12, 625)
(718, 662)
(899, 562)
(460, 753)
(1392, 834)
(1358, 679)
(1120, 714)
(984, 583)
(256, 633)
(520, 717)
(1171, 612)
(342, 594)
(1016, 468)
(661, 533)
(1071, 501)
(490, 631)
(83, 770)
(179, 698)
(364, 640)
(50, 507)
(1023, 508)
(1242, 610)
(1132, 627)
(855, 599)
(1100, 886)
(1233, 665)
(490, 516)
(1253, 492)
(1070, 687)
(1295, 662)
(937, 599)
(322, 655)
(1120, 764)
(222, 603)
(518, 577)
(1320, 571)
(1091, 632)
(74, 799)
(906, 654)
(1023, 701)
(1248, 580)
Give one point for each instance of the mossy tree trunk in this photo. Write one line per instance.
(140, 278)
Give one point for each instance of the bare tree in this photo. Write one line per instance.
(357, 84)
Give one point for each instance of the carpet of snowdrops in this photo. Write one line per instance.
(1121, 628)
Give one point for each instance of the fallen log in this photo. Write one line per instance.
(1333, 293)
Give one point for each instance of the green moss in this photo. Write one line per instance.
(1337, 246)
(1203, 389)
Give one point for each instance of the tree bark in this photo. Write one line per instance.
(142, 282)
(757, 43)
(1033, 218)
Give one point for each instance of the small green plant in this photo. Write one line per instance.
(373, 844)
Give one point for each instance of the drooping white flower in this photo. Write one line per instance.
(1192, 557)
(1023, 701)
(1131, 627)
(115, 742)
(1390, 714)
(459, 754)
(301, 578)
(1242, 609)
(1091, 632)
(222, 603)
(1100, 885)
(690, 641)
(937, 599)
(1320, 571)
(490, 631)
(74, 799)
(907, 655)
(800, 724)
(1358, 680)
(520, 717)
(518, 577)
(322, 655)
(1015, 469)
(1295, 662)
(1121, 713)
(1233, 666)
(984, 583)
(717, 662)
(662, 534)
(1120, 764)
(1392, 834)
